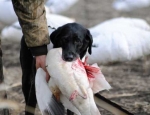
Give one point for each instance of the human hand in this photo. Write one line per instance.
(40, 63)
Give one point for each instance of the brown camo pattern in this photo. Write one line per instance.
(31, 15)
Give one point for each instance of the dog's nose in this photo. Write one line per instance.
(69, 56)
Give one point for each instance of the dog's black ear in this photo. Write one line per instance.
(55, 35)
(90, 39)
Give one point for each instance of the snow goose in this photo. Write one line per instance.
(128, 5)
(118, 40)
(76, 87)
(7, 14)
(70, 85)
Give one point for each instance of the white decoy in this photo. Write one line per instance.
(58, 6)
(120, 39)
(14, 32)
(54, 21)
(128, 5)
(70, 84)
(7, 14)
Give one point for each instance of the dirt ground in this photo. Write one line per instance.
(129, 80)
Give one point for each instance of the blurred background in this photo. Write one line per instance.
(129, 79)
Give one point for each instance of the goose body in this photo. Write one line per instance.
(72, 83)
(128, 5)
(12, 32)
(120, 39)
(7, 14)
(69, 83)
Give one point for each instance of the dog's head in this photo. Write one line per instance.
(74, 40)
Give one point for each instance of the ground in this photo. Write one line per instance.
(129, 80)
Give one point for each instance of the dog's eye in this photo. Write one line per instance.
(77, 41)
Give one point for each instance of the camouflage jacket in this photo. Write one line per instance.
(31, 16)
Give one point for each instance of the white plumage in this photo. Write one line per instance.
(12, 32)
(7, 14)
(70, 83)
(44, 95)
(119, 40)
(54, 21)
(68, 78)
(58, 6)
(128, 5)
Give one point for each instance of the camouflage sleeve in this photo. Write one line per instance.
(31, 16)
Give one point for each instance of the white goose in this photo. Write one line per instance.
(7, 14)
(70, 84)
(120, 39)
(57, 6)
(128, 5)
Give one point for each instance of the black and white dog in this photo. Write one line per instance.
(75, 41)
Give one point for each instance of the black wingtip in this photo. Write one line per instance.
(55, 108)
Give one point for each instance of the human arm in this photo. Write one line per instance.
(31, 16)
